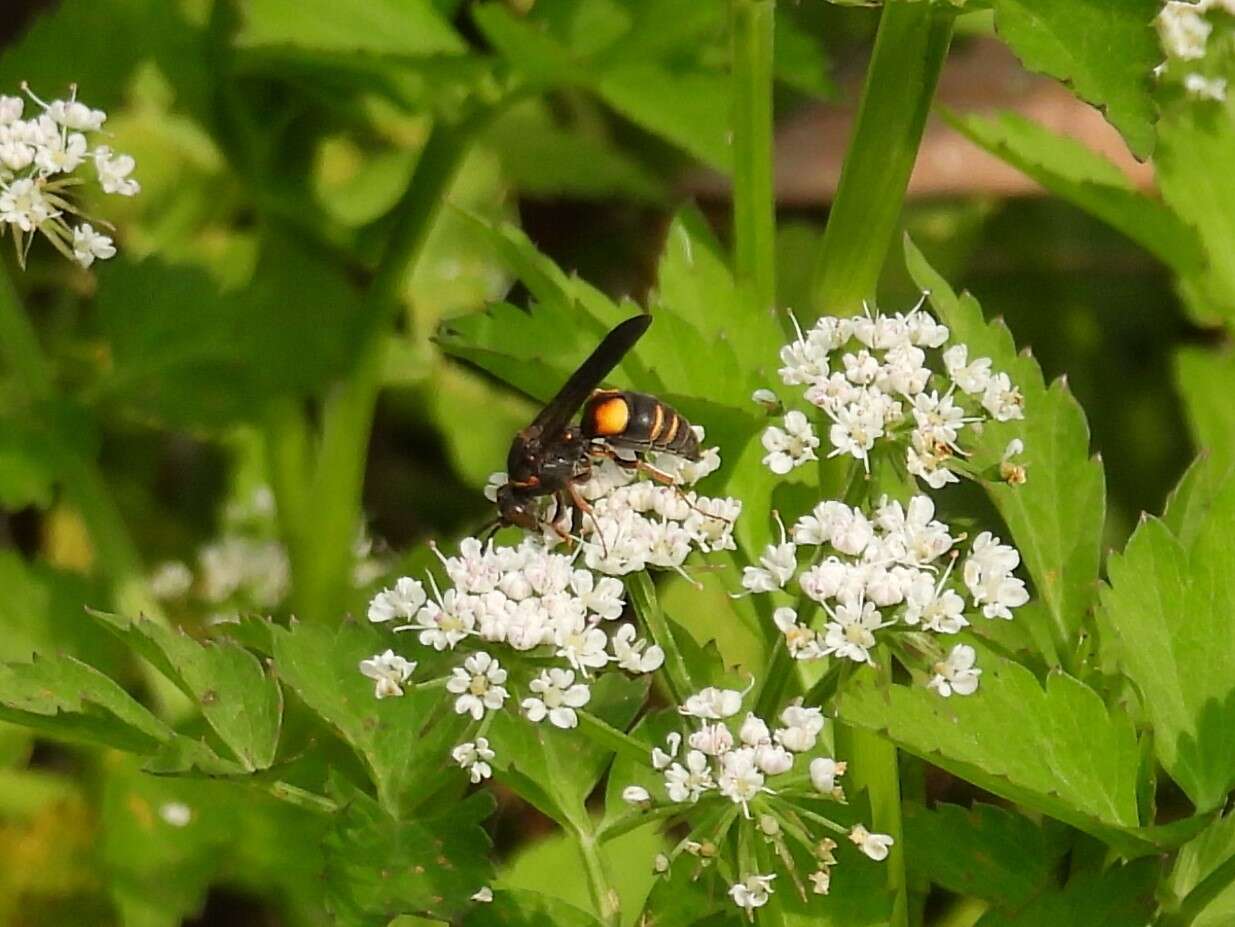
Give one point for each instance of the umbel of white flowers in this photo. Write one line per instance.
(879, 378)
(895, 567)
(728, 757)
(1185, 29)
(42, 161)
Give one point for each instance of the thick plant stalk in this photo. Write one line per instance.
(910, 49)
(754, 204)
(322, 566)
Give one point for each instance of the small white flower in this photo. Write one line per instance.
(752, 892)
(478, 683)
(802, 727)
(765, 398)
(1205, 88)
(712, 739)
(740, 778)
(876, 846)
(474, 758)
(687, 783)
(402, 601)
(712, 704)
(114, 171)
(821, 881)
(773, 759)
(74, 115)
(972, 378)
(776, 567)
(1184, 30)
(557, 695)
(1003, 400)
(792, 447)
(390, 671)
(484, 895)
(754, 731)
(176, 813)
(171, 580)
(582, 645)
(824, 771)
(23, 204)
(851, 633)
(89, 245)
(444, 624)
(635, 795)
(957, 674)
(661, 758)
(635, 656)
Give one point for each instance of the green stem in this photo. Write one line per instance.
(754, 203)
(605, 735)
(321, 588)
(20, 345)
(604, 895)
(873, 768)
(910, 49)
(642, 592)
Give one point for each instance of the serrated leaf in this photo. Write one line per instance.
(1199, 859)
(378, 868)
(1190, 501)
(1103, 49)
(1206, 380)
(403, 741)
(68, 698)
(237, 697)
(1057, 517)
(522, 908)
(1170, 603)
(1195, 145)
(1071, 758)
(556, 770)
(1071, 171)
(390, 27)
(984, 852)
(1123, 896)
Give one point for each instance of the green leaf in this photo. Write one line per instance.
(403, 741)
(521, 908)
(1104, 50)
(984, 852)
(688, 106)
(67, 698)
(1057, 517)
(1123, 896)
(1170, 603)
(237, 697)
(378, 868)
(41, 612)
(1199, 860)
(1071, 757)
(384, 27)
(1196, 145)
(28, 466)
(1076, 173)
(1206, 380)
(174, 337)
(1190, 501)
(556, 770)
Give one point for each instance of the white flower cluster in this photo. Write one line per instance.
(876, 379)
(245, 569)
(39, 160)
(528, 599)
(1185, 29)
(725, 760)
(893, 568)
(637, 523)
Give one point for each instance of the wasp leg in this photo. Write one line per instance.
(583, 507)
(659, 476)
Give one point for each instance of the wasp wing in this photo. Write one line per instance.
(608, 354)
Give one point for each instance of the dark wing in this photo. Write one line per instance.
(608, 354)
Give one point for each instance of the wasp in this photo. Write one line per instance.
(553, 456)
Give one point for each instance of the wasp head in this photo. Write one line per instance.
(517, 509)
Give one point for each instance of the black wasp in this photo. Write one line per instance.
(553, 457)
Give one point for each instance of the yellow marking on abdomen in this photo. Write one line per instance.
(611, 416)
(673, 430)
(656, 426)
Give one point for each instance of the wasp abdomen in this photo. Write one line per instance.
(640, 422)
